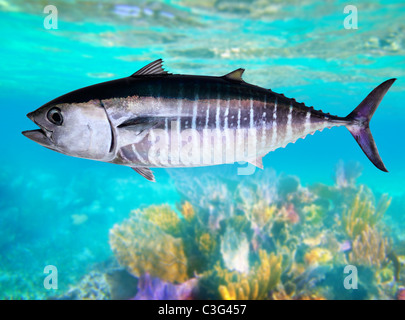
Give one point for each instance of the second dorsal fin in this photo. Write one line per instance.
(235, 75)
(153, 68)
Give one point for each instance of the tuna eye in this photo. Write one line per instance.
(55, 116)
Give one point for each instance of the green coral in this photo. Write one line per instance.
(313, 213)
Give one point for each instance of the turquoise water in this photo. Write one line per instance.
(57, 210)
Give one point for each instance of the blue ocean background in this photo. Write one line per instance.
(58, 210)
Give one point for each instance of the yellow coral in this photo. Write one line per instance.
(187, 211)
(385, 276)
(270, 268)
(143, 247)
(257, 284)
(370, 248)
(362, 213)
(311, 297)
(206, 243)
(260, 213)
(283, 295)
(163, 216)
(314, 241)
(318, 256)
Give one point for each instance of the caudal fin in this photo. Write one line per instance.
(359, 120)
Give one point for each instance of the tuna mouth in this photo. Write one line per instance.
(41, 136)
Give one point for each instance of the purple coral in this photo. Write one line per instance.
(155, 289)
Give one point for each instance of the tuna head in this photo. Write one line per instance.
(76, 129)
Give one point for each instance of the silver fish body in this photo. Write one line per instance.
(157, 119)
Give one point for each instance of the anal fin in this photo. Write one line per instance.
(145, 172)
(258, 162)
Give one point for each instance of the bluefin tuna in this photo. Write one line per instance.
(157, 119)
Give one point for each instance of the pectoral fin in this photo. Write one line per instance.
(258, 162)
(139, 124)
(145, 172)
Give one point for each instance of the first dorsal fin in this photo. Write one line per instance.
(235, 75)
(153, 68)
(145, 172)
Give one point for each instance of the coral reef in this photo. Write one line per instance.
(369, 248)
(318, 256)
(362, 213)
(187, 211)
(156, 289)
(257, 285)
(260, 238)
(143, 247)
(115, 284)
(235, 250)
(162, 216)
(93, 286)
